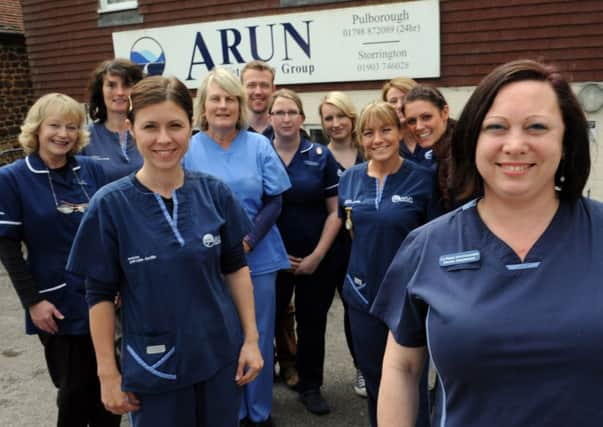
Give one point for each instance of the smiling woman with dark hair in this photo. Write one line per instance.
(505, 290)
(111, 143)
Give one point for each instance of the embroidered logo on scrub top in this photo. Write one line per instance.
(310, 163)
(429, 154)
(349, 202)
(402, 199)
(210, 240)
(100, 157)
(136, 259)
(459, 258)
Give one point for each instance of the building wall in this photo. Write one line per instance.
(16, 95)
(66, 39)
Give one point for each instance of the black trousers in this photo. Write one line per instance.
(72, 367)
(313, 297)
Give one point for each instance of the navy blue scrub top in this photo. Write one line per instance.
(28, 213)
(421, 156)
(313, 176)
(179, 322)
(344, 242)
(514, 343)
(268, 132)
(105, 147)
(380, 220)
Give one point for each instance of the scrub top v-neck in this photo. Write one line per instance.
(179, 323)
(313, 175)
(380, 218)
(117, 158)
(515, 343)
(44, 208)
(252, 169)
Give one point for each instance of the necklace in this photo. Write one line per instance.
(67, 207)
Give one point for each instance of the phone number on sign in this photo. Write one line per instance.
(378, 30)
(376, 66)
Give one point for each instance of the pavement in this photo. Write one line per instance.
(27, 396)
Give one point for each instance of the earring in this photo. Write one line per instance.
(559, 186)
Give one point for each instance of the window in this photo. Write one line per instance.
(116, 5)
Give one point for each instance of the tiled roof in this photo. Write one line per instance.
(11, 17)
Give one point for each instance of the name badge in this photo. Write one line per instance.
(459, 258)
(155, 349)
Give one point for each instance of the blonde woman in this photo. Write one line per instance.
(247, 163)
(380, 202)
(338, 118)
(42, 199)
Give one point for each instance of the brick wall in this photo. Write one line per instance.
(16, 94)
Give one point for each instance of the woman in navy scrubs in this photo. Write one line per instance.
(111, 143)
(309, 226)
(248, 164)
(380, 202)
(338, 118)
(42, 198)
(428, 121)
(170, 242)
(505, 292)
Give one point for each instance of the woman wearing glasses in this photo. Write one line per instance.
(42, 198)
(246, 162)
(309, 225)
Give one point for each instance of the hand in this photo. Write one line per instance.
(250, 363)
(43, 314)
(246, 247)
(308, 265)
(116, 400)
(294, 261)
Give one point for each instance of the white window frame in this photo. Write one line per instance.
(104, 6)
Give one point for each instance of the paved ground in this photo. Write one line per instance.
(27, 395)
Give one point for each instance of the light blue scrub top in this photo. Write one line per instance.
(251, 168)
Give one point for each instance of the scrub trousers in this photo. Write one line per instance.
(369, 335)
(72, 367)
(256, 402)
(214, 402)
(313, 297)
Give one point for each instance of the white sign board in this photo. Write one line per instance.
(337, 45)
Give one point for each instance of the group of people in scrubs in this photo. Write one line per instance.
(442, 238)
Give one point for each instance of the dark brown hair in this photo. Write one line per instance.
(575, 164)
(425, 93)
(441, 148)
(157, 89)
(127, 70)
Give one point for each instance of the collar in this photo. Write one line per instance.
(35, 164)
(305, 145)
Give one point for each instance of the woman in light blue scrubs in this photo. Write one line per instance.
(504, 292)
(248, 164)
(111, 143)
(170, 242)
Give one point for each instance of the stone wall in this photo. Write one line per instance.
(16, 94)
